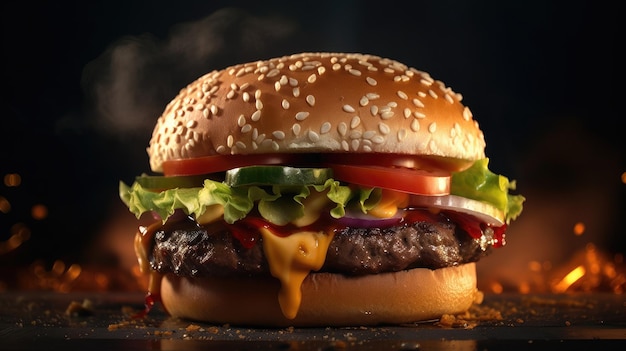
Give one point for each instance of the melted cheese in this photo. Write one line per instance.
(313, 206)
(389, 204)
(290, 259)
(143, 240)
(211, 214)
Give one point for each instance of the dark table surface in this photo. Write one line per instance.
(44, 320)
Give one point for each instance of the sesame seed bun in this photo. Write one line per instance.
(316, 102)
(327, 299)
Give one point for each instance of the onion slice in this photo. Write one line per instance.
(483, 211)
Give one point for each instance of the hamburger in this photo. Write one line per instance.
(317, 189)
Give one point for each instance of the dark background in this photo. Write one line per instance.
(84, 82)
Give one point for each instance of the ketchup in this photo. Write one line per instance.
(247, 229)
(150, 300)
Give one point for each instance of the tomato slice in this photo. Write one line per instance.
(399, 160)
(221, 163)
(413, 181)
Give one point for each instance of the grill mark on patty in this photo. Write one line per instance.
(189, 249)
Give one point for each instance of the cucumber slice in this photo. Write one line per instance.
(160, 182)
(276, 175)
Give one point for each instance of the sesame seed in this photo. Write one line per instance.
(371, 81)
(293, 82)
(311, 78)
(448, 98)
(421, 94)
(214, 109)
(374, 110)
(241, 120)
(277, 86)
(415, 125)
(418, 103)
(273, 72)
(383, 128)
(386, 114)
(256, 115)
(314, 137)
(364, 101)
(283, 80)
(369, 134)
(206, 113)
(310, 99)
(301, 116)
(432, 127)
(402, 95)
(240, 145)
(278, 134)
(325, 128)
(230, 140)
(257, 94)
(379, 139)
(355, 144)
(296, 92)
(432, 93)
(342, 128)
(295, 128)
(259, 105)
(336, 67)
(372, 96)
(246, 128)
(402, 134)
(234, 86)
(418, 114)
(348, 108)
(321, 70)
(345, 146)
(285, 104)
(407, 112)
(467, 114)
(246, 96)
(231, 94)
(275, 146)
(355, 72)
(355, 122)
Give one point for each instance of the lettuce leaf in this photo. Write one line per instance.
(479, 183)
(278, 205)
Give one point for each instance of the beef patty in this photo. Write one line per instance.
(188, 249)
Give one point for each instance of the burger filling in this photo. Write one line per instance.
(288, 222)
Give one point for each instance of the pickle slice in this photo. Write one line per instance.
(276, 175)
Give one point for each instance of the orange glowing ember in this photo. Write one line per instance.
(591, 270)
(570, 279)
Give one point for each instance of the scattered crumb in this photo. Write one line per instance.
(77, 309)
(193, 327)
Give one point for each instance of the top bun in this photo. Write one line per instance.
(316, 102)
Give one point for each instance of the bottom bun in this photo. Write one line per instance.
(327, 299)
